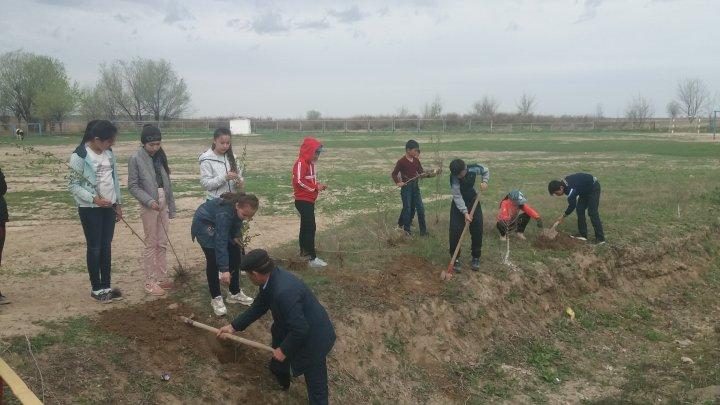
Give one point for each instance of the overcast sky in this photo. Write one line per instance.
(282, 58)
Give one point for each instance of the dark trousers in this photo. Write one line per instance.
(457, 223)
(211, 270)
(518, 224)
(316, 380)
(2, 239)
(591, 203)
(307, 227)
(412, 202)
(99, 227)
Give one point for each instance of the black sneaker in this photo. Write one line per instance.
(475, 265)
(103, 297)
(4, 300)
(457, 267)
(579, 237)
(115, 294)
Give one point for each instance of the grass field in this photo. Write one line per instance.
(642, 303)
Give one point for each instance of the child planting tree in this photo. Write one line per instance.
(583, 193)
(462, 185)
(407, 174)
(95, 186)
(217, 225)
(306, 190)
(149, 183)
(218, 169)
(515, 214)
(3, 220)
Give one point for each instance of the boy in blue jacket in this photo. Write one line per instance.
(583, 193)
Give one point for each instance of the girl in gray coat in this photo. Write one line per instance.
(149, 183)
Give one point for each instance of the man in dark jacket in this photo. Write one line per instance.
(302, 333)
(3, 220)
(583, 193)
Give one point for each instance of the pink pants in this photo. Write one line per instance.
(155, 224)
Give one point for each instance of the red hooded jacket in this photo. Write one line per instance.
(304, 178)
(509, 211)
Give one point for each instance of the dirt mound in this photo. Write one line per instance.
(561, 241)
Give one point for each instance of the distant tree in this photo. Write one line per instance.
(526, 105)
(25, 77)
(57, 100)
(693, 96)
(639, 109)
(433, 109)
(673, 109)
(313, 115)
(599, 114)
(402, 112)
(97, 103)
(486, 108)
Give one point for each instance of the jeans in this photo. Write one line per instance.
(306, 237)
(518, 224)
(457, 223)
(155, 224)
(99, 226)
(412, 202)
(212, 271)
(591, 203)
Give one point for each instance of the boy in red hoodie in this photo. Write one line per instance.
(514, 214)
(306, 190)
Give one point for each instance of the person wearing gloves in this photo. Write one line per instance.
(149, 183)
(219, 172)
(515, 214)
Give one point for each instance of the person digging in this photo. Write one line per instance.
(302, 333)
(583, 193)
(462, 186)
(515, 214)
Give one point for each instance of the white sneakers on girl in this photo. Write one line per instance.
(239, 298)
(218, 306)
(317, 262)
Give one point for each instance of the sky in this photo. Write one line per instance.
(343, 58)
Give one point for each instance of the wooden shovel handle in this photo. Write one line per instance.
(462, 235)
(229, 336)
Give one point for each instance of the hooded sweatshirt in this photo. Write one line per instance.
(509, 210)
(213, 169)
(304, 177)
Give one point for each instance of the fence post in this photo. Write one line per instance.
(393, 125)
(443, 121)
(531, 127)
(323, 126)
(300, 126)
(418, 125)
(491, 126)
(277, 127)
(346, 126)
(368, 126)
(470, 125)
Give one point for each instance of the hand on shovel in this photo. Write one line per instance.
(227, 329)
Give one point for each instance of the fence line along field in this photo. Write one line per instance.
(644, 306)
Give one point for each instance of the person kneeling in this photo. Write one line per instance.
(302, 333)
(514, 214)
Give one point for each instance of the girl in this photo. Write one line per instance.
(3, 220)
(306, 190)
(94, 185)
(149, 183)
(515, 214)
(218, 169)
(217, 225)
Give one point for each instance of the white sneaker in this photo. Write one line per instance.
(317, 262)
(239, 298)
(218, 305)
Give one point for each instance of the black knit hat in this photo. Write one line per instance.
(257, 260)
(412, 144)
(150, 133)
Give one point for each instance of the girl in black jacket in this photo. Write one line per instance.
(3, 220)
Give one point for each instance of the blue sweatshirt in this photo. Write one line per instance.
(576, 185)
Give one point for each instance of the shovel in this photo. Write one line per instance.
(238, 339)
(447, 274)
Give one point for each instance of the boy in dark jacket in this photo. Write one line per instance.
(407, 174)
(3, 220)
(583, 192)
(462, 185)
(306, 190)
(302, 333)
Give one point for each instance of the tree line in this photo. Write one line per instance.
(37, 88)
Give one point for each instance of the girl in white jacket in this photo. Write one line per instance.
(219, 173)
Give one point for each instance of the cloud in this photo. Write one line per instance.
(313, 25)
(122, 18)
(382, 12)
(513, 26)
(350, 15)
(271, 22)
(176, 12)
(590, 11)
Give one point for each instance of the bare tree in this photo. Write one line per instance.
(693, 96)
(639, 109)
(673, 109)
(313, 115)
(526, 105)
(599, 114)
(402, 112)
(98, 103)
(433, 109)
(163, 94)
(486, 108)
(123, 88)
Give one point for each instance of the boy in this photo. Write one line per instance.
(406, 175)
(306, 190)
(462, 185)
(514, 214)
(583, 192)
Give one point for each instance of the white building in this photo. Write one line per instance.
(240, 126)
